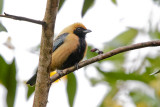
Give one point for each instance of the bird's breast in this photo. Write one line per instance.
(62, 53)
(77, 55)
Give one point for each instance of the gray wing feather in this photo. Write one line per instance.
(59, 41)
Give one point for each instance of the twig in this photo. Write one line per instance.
(104, 56)
(22, 18)
(96, 50)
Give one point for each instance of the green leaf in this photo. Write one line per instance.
(140, 97)
(109, 101)
(71, 88)
(86, 5)
(3, 71)
(117, 60)
(61, 4)
(154, 61)
(122, 39)
(114, 76)
(2, 28)
(154, 64)
(30, 91)
(126, 37)
(11, 84)
(114, 1)
(156, 2)
(8, 79)
(155, 34)
(1, 6)
(89, 53)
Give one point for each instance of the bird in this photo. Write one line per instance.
(69, 48)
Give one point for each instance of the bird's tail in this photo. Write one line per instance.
(32, 80)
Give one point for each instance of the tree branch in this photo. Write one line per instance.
(46, 46)
(104, 56)
(22, 18)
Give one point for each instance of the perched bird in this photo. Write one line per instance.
(69, 48)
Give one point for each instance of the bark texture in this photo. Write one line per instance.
(43, 80)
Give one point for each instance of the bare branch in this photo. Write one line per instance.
(106, 55)
(22, 18)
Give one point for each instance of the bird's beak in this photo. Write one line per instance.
(87, 31)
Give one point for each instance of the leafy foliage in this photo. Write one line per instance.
(30, 91)
(2, 28)
(8, 79)
(71, 88)
(108, 101)
(114, 1)
(123, 39)
(144, 100)
(1, 6)
(61, 4)
(155, 34)
(156, 2)
(89, 53)
(113, 77)
(86, 5)
(154, 64)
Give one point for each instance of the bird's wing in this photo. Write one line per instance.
(59, 41)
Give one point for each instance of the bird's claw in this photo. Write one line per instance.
(76, 65)
(60, 72)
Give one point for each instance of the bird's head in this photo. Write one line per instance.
(78, 29)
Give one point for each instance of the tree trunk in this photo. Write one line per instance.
(43, 81)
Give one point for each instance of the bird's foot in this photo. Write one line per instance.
(76, 65)
(60, 72)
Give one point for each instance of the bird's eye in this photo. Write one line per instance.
(78, 29)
